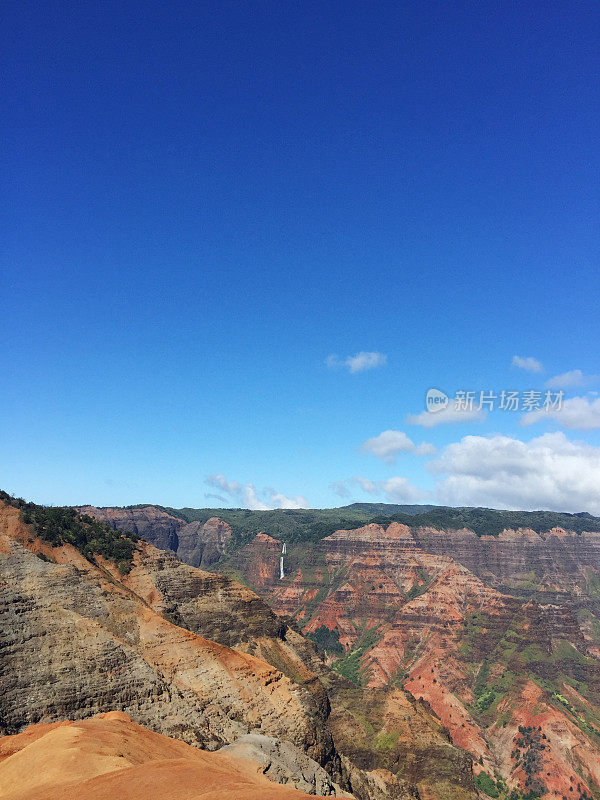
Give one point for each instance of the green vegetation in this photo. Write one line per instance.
(488, 696)
(486, 784)
(549, 662)
(287, 525)
(592, 582)
(64, 525)
(508, 653)
(326, 640)
(349, 666)
(563, 664)
(561, 699)
(416, 590)
(485, 700)
(563, 650)
(481, 680)
(533, 653)
(475, 626)
(590, 726)
(386, 741)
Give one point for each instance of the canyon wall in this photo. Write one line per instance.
(198, 544)
(497, 636)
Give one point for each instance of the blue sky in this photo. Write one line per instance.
(203, 202)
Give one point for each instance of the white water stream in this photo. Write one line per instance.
(281, 570)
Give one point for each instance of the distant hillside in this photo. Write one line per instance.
(290, 525)
(387, 509)
(489, 521)
(312, 525)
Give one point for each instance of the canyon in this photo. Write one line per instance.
(496, 637)
(92, 622)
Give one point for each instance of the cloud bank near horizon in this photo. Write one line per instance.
(498, 471)
(247, 496)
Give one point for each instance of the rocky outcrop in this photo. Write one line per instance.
(149, 522)
(484, 633)
(550, 567)
(283, 763)
(400, 748)
(224, 611)
(199, 544)
(209, 604)
(202, 544)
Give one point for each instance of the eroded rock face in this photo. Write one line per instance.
(548, 566)
(489, 633)
(149, 522)
(196, 543)
(448, 616)
(209, 604)
(202, 544)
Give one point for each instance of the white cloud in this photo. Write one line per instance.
(577, 412)
(394, 490)
(425, 449)
(365, 484)
(248, 497)
(389, 443)
(279, 500)
(219, 481)
(401, 490)
(549, 472)
(527, 362)
(574, 377)
(340, 488)
(446, 416)
(357, 363)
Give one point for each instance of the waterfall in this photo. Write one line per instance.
(281, 572)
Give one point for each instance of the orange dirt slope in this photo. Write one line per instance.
(109, 756)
